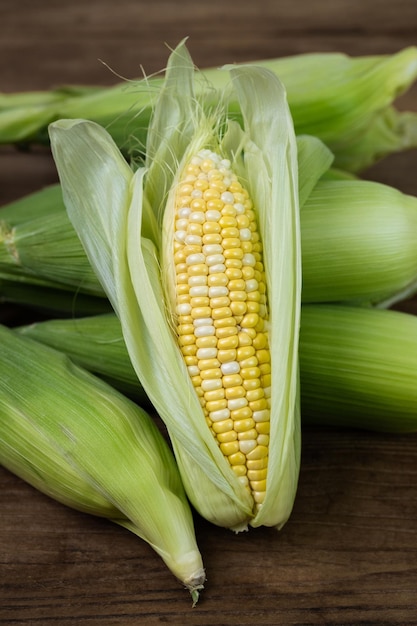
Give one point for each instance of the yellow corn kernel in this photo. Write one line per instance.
(263, 428)
(227, 437)
(230, 448)
(226, 355)
(240, 470)
(257, 474)
(221, 309)
(228, 343)
(223, 426)
(256, 464)
(248, 435)
(216, 405)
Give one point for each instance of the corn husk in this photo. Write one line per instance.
(359, 243)
(78, 440)
(95, 343)
(44, 249)
(41, 297)
(118, 213)
(25, 115)
(345, 101)
(358, 368)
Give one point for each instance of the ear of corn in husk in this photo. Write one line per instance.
(78, 440)
(23, 115)
(346, 101)
(359, 243)
(44, 202)
(358, 368)
(119, 215)
(39, 246)
(31, 228)
(39, 296)
(95, 343)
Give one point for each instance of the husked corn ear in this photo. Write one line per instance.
(81, 442)
(126, 220)
(220, 312)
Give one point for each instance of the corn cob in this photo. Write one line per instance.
(121, 231)
(346, 101)
(78, 440)
(220, 311)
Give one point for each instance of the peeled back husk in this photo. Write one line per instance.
(118, 215)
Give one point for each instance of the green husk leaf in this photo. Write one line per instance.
(95, 343)
(41, 296)
(359, 243)
(358, 368)
(46, 249)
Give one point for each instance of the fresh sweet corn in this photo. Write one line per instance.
(39, 246)
(346, 101)
(358, 368)
(78, 440)
(42, 263)
(96, 344)
(359, 243)
(217, 284)
(124, 220)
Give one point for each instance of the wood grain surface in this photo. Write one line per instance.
(348, 555)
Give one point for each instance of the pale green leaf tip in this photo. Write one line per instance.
(67, 124)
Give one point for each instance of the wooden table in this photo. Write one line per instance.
(348, 555)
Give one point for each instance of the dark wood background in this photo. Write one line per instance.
(348, 555)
